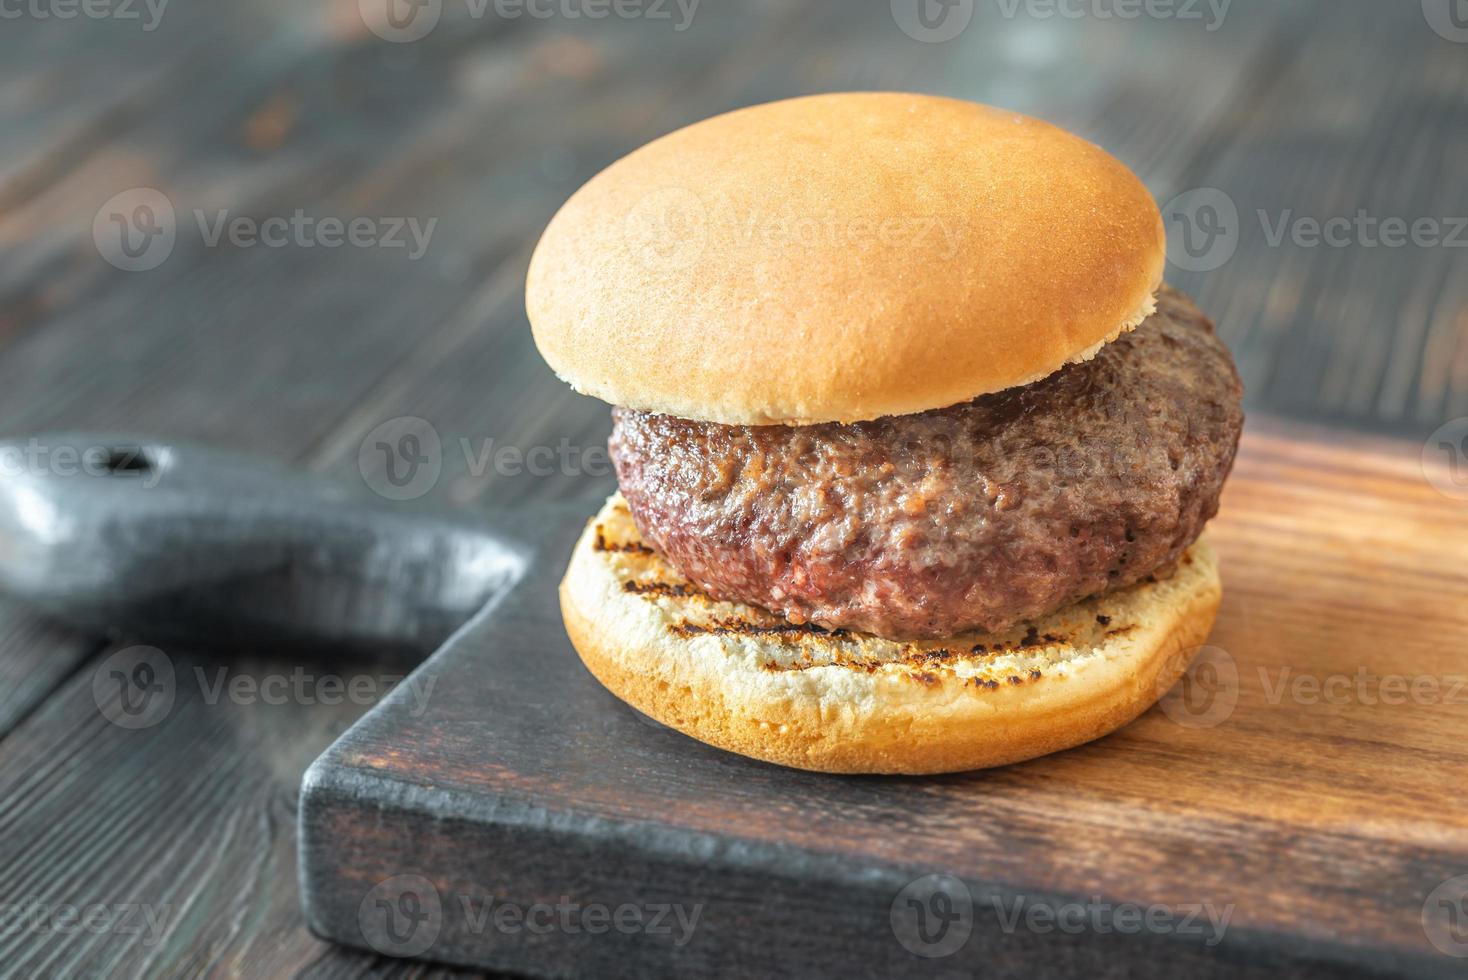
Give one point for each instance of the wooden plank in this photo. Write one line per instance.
(255, 350)
(302, 354)
(1310, 793)
(36, 656)
(1368, 117)
(85, 801)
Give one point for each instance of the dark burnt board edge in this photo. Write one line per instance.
(763, 911)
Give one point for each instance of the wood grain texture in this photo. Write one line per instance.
(266, 106)
(1364, 119)
(1303, 777)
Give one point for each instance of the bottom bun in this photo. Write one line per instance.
(745, 680)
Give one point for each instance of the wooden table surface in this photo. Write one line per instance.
(263, 109)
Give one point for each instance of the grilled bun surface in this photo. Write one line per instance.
(842, 257)
(739, 678)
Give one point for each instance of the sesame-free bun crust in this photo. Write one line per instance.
(842, 257)
(741, 679)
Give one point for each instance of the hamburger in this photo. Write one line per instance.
(914, 446)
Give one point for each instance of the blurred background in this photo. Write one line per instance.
(283, 225)
(1279, 136)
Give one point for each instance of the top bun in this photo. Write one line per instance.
(842, 257)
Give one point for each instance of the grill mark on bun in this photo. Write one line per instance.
(627, 547)
(917, 662)
(1032, 639)
(927, 666)
(735, 626)
(667, 590)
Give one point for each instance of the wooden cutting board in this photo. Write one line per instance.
(1295, 807)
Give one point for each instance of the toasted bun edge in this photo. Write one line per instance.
(746, 693)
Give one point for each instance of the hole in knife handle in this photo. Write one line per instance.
(127, 461)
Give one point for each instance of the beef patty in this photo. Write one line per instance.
(977, 516)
